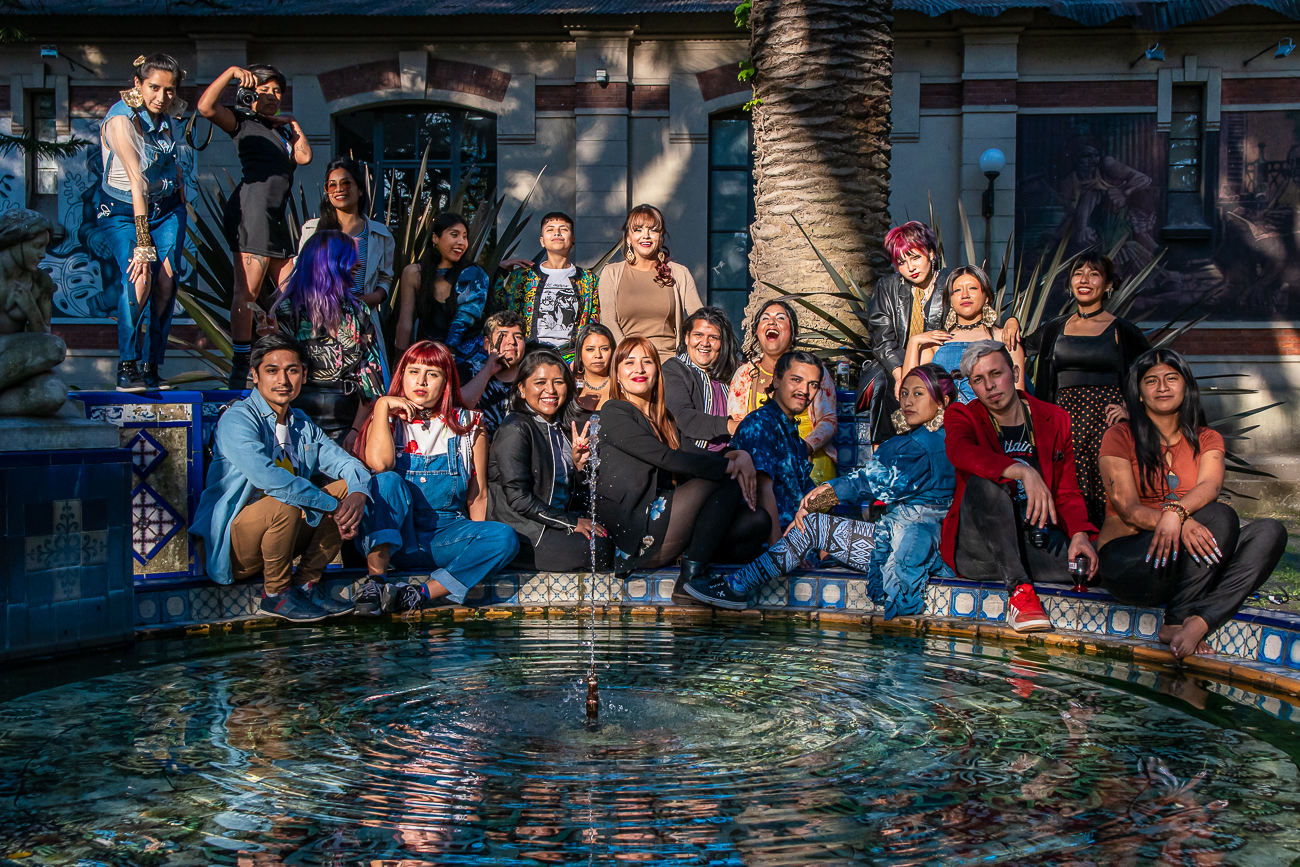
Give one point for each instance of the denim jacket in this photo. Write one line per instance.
(241, 464)
(158, 160)
(912, 468)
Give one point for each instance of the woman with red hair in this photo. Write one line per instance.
(657, 500)
(430, 463)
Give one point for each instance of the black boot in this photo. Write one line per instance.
(149, 374)
(691, 569)
(128, 378)
(240, 366)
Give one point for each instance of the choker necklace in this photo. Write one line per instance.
(426, 416)
(1097, 312)
(971, 327)
(587, 383)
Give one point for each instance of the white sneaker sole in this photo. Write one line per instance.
(715, 602)
(1034, 625)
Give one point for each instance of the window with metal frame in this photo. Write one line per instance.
(731, 212)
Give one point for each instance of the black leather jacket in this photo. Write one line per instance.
(891, 312)
(521, 479)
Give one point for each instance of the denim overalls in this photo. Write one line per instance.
(421, 512)
(158, 164)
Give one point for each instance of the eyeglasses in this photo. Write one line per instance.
(339, 185)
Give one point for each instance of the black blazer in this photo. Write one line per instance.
(891, 313)
(631, 457)
(1132, 343)
(684, 397)
(521, 479)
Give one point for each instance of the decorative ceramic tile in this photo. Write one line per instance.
(832, 593)
(1092, 616)
(993, 604)
(965, 603)
(602, 588)
(636, 589)
(504, 589)
(240, 600)
(937, 600)
(175, 605)
(1237, 638)
(856, 598)
(1120, 621)
(146, 608)
(65, 546)
(803, 592)
(146, 453)
(564, 588)
(774, 592)
(1272, 645)
(153, 523)
(205, 604)
(1293, 652)
(663, 588)
(1147, 623)
(537, 589)
(1061, 611)
(478, 595)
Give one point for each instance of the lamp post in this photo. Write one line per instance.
(992, 162)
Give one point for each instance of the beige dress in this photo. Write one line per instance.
(646, 309)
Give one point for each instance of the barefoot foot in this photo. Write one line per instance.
(1169, 632)
(1190, 637)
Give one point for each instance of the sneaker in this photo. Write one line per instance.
(1025, 613)
(398, 598)
(332, 607)
(240, 367)
(713, 589)
(128, 378)
(295, 605)
(369, 601)
(149, 375)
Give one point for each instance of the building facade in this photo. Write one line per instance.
(1189, 151)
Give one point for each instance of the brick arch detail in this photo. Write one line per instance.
(385, 75)
(721, 81)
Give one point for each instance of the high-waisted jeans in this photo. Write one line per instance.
(167, 221)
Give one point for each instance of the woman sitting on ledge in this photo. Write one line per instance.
(899, 553)
(1163, 470)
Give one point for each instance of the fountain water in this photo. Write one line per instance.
(593, 467)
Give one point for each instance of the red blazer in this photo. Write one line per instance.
(974, 449)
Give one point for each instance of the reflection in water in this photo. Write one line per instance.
(415, 744)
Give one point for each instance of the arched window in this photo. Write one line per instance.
(731, 211)
(392, 142)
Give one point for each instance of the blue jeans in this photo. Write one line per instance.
(167, 228)
(459, 552)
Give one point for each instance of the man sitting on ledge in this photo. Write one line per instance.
(260, 509)
(1017, 515)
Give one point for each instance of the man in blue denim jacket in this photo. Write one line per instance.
(260, 509)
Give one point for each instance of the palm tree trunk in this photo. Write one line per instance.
(821, 141)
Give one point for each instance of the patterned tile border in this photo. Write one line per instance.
(1256, 647)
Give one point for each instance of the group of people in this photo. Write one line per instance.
(473, 454)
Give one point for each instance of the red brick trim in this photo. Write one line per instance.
(946, 95)
(1240, 341)
(649, 97)
(988, 91)
(555, 97)
(1085, 94)
(470, 78)
(720, 81)
(1244, 91)
(95, 335)
(593, 95)
(360, 78)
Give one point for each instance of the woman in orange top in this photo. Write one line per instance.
(1163, 470)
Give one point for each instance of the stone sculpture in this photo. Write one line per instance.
(28, 351)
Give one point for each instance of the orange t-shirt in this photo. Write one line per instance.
(1118, 443)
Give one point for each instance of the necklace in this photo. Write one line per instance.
(971, 327)
(587, 383)
(426, 416)
(1097, 312)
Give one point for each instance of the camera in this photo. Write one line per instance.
(245, 97)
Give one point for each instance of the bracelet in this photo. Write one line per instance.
(1172, 506)
(142, 236)
(145, 254)
(824, 502)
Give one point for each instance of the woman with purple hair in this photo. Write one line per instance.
(318, 308)
(911, 475)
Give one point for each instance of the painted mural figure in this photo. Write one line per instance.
(1099, 196)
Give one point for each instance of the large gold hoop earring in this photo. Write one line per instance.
(133, 98)
(935, 423)
(629, 254)
(900, 422)
(988, 316)
(950, 320)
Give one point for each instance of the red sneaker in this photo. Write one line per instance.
(1025, 613)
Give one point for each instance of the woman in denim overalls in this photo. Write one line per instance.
(430, 460)
(142, 211)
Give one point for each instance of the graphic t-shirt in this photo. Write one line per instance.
(422, 438)
(285, 453)
(557, 306)
(1017, 444)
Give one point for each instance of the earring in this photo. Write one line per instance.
(988, 316)
(629, 254)
(133, 98)
(935, 423)
(950, 320)
(900, 422)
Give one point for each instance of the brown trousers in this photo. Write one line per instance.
(265, 537)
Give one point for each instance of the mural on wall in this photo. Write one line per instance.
(1100, 178)
(86, 277)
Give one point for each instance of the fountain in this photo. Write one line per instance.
(593, 467)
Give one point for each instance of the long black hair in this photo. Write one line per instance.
(1146, 438)
(587, 331)
(329, 215)
(435, 319)
(789, 311)
(724, 365)
(159, 62)
(569, 409)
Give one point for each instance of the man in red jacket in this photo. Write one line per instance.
(1017, 515)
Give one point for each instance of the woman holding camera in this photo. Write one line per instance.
(271, 146)
(142, 210)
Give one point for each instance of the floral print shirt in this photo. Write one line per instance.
(517, 289)
(743, 397)
(772, 440)
(348, 358)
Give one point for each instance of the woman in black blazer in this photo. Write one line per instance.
(659, 501)
(535, 460)
(695, 382)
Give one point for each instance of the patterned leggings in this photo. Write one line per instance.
(849, 542)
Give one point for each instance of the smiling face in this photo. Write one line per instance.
(158, 90)
(422, 385)
(452, 243)
(344, 193)
(557, 238)
(703, 343)
(644, 238)
(268, 99)
(918, 407)
(278, 379)
(994, 381)
(596, 353)
(967, 298)
(1088, 285)
(1163, 390)
(636, 375)
(793, 391)
(915, 265)
(775, 331)
(545, 390)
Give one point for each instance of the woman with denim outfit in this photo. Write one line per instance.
(431, 491)
(142, 211)
(911, 474)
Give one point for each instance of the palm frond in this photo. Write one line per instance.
(29, 144)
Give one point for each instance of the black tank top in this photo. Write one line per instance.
(265, 156)
(1092, 360)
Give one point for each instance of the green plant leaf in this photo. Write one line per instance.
(968, 241)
